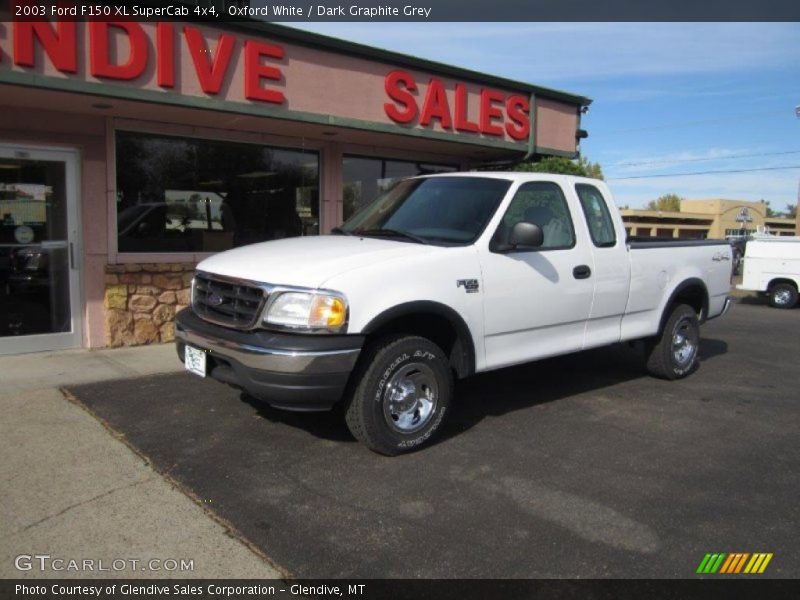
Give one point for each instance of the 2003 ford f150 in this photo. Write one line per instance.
(442, 277)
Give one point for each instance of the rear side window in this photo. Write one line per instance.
(595, 209)
(542, 203)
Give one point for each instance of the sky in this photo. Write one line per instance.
(669, 99)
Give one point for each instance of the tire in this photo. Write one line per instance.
(782, 295)
(393, 422)
(673, 353)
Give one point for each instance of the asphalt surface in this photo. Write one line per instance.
(580, 466)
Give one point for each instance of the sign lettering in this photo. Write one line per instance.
(500, 114)
(60, 46)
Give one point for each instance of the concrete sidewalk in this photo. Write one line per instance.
(73, 491)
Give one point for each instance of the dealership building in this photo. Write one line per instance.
(129, 151)
(712, 218)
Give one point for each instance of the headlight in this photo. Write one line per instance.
(302, 310)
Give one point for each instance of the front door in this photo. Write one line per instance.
(537, 300)
(39, 258)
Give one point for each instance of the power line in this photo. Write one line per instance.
(705, 173)
(683, 160)
(739, 117)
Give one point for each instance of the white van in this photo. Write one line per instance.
(772, 266)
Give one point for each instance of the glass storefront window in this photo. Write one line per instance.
(367, 178)
(34, 254)
(192, 195)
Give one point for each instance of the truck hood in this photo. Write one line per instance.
(307, 261)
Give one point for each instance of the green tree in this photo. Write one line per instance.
(791, 211)
(768, 210)
(667, 202)
(563, 166)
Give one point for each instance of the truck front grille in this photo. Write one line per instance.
(228, 303)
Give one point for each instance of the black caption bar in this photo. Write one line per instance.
(401, 589)
(410, 10)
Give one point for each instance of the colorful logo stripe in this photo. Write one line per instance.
(734, 563)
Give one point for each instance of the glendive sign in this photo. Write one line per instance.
(155, 50)
(61, 46)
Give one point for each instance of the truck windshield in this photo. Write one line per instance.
(438, 210)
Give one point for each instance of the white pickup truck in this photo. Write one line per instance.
(442, 277)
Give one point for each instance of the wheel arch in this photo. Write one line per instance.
(778, 280)
(435, 321)
(692, 291)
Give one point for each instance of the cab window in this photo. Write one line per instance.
(542, 203)
(595, 209)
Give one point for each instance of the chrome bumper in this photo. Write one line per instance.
(271, 359)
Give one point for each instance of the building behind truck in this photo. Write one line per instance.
(711, 218)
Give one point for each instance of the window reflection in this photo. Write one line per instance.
(542, 203)
(367, 178)
(190, 195)
(34, 263)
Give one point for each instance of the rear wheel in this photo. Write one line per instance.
(403, 388)
(673, 353)
(782, 295)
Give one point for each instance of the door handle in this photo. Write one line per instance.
(582, 272)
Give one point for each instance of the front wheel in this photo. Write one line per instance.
(403, 389)
(673, 353)
(782, 295)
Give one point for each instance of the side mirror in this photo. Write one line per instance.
(526, 234)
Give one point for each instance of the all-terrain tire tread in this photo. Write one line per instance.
(355, 417)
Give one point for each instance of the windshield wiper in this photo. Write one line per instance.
(391, 233)
(340, 231)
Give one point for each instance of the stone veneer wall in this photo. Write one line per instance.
(141, 301)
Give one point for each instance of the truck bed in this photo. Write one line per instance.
(659, 264)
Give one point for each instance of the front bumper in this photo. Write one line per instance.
(289, 371)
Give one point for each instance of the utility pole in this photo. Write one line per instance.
(797, 204)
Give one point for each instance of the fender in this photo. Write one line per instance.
(684, 285)
(427, 306)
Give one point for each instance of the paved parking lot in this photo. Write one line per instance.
(578, 466)
(72, 491)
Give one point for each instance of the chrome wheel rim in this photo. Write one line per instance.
(684, 343)
(410, 398)
(782, 297)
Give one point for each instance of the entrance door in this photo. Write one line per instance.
(39, 270)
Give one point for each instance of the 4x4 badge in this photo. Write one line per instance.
(471, 286)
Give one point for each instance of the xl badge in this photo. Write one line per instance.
(471, 286)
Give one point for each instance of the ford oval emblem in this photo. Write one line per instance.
(214, 300)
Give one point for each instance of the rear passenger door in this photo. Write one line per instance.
(610, 267)
(537, 300)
